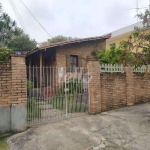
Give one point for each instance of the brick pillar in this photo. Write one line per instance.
(18, 81)
(5, 96)
(130, 86)
(94, 86)
(18, 103)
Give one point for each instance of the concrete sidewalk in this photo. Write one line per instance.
(122, 129)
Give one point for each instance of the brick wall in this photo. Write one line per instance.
(141, 89)
(113, 91)
(5, 84)
(120, 90)
(81, 49)
(13, 82)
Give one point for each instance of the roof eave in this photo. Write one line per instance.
(69, 42)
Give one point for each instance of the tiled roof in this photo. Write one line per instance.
(107, 36)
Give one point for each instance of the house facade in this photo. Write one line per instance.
(122, 35)
(66, 54)
(69, 54)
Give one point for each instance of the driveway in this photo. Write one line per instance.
(121, 129)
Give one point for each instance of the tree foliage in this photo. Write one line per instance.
(144, 17)
(133, 51)
(4, 54)
(12, 36)
(59, 38)
(115, 56)
(8, 29)
(139, 40)
(22, 42)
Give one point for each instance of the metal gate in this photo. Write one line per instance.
(56, 93)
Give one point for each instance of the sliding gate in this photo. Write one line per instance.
(56, 93)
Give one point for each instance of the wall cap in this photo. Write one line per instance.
(18, 54)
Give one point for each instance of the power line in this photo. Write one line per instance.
(35, 18)
(137, 9)
(18, 15)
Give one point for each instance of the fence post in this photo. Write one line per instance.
(18, 101)
(94, 86)
(130, 85)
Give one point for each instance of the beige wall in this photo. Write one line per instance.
(119, 39)
(116, 40)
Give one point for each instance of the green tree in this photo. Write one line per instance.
(59, 38)
(139, 40)
(134, 51)
(144, 17)
(8, 29)
(4, 54)
(114, 56)
(22, 42)
(12, 36)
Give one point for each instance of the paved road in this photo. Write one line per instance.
(122, 129)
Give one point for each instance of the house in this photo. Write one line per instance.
(121, 35)
(58, 54)
(43, 60)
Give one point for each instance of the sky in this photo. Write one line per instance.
(75, 18)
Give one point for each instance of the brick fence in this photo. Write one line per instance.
(120, 90)
(106, 91)
(13, 95)
(115, 90)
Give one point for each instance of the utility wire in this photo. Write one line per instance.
(137, 10)
(35, 18)
(18, 15)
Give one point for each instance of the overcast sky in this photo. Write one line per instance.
(76, 18)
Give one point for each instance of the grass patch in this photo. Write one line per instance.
(3, 141)
(33, 109)
(59, 102)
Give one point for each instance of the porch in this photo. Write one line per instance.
(39, 65)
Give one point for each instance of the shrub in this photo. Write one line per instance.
(4, 54)
(29, 85)
(72, 87)
(33, 109)
(59, 102)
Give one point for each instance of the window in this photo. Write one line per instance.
(113, 45)
(73, 61)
